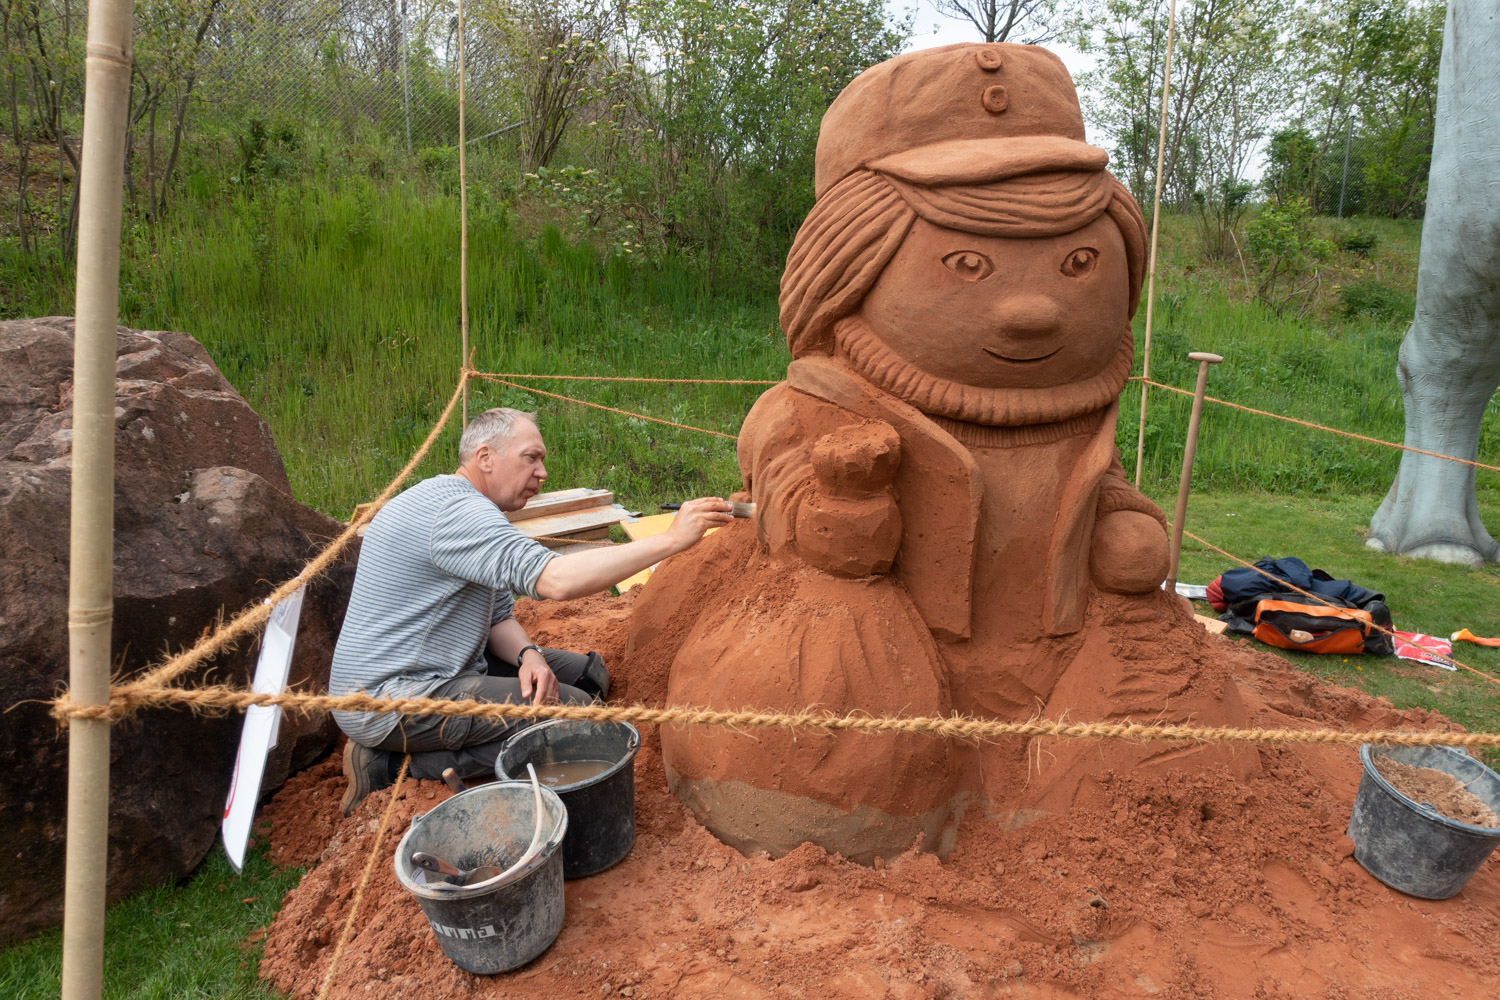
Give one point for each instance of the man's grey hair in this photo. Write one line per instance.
(492, 427)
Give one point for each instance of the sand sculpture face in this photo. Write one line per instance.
(995, 312)
(942, 520)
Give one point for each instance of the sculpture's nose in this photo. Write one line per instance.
(1029, 316)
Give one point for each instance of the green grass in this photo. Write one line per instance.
(171, 941)
(334, 310)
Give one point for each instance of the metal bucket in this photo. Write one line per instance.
(490, 928)
(601, 809)
(1410, 846)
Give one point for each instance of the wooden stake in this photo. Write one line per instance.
(1161, 152)
(1204, 360)
(91, 544)
(464, 222)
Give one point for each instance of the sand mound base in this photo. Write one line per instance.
(1192, 884)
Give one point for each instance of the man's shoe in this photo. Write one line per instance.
(595, 679)
(366, 771)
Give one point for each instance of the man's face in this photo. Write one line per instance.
(514, 474)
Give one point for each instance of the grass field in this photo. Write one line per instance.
(332, 306)
(170, 942)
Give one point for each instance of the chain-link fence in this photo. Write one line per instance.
(239, 83)
(382, 70)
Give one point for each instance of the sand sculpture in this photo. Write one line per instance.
(943, 524)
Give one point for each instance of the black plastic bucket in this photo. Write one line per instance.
(490, 928)
(1409, 845)
(601, 809)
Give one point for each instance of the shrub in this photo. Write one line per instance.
(1359, 241)
(1373, 297)
(1287, 254)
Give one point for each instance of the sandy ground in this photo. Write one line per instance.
(1222, 878)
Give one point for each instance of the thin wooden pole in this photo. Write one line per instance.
(464, 221)
(91, 545)
(1204, 359)
(1161, 152)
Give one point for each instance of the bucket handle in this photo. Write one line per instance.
(528, 729)
(635, 734)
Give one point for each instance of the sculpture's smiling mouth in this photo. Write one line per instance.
(1020, 361)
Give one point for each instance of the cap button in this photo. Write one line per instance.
(988, 59)
(994, 99)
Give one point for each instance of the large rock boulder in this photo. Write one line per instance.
(205, 523)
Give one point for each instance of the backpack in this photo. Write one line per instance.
(1242, 583)
(1288, 620)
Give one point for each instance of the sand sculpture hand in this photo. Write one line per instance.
(849, 525)
(1129, 553)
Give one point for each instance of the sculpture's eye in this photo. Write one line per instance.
(970, 265)
(1080, 262)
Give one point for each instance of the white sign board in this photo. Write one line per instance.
(261, 725)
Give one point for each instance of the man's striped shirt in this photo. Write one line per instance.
(437, 568)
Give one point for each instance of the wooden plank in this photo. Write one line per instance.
(566, 548)
(645, 527)
(560, 502)
(1214, 626)
(573, 522)
(590, 535)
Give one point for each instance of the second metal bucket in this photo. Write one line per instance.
(1409, 845)
(490, 928)
(601, 809)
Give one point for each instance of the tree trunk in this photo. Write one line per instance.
(1450, 360)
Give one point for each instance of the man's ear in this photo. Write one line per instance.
(483, 456)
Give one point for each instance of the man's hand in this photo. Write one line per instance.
(588, 572)
(537, 679)
(696, 517)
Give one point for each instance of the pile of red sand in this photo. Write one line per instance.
(1192, 885)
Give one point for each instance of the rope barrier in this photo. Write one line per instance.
(1288, 585)
(364, 881)
(598, 406)
(504, 378)
(632, 378)
(218, 699)
(1319, 427)
(254, 617)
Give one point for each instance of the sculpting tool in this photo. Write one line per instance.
(736, 508)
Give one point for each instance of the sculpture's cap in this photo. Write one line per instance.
(960, 114)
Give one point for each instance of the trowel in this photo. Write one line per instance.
(455, 876)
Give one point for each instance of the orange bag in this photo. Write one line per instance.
(1331, 630)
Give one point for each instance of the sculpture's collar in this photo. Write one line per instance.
(864, 352)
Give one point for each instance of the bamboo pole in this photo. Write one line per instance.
(1161, 152)
(1204, 359)
(462, 222)
(91, 552)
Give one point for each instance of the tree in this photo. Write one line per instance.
(710, 115)
(1228, 67)
(1367, 75)
(1225, 61)
(551, 53)
(998, 20)
(1449, 364)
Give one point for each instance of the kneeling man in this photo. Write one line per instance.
(430, 614)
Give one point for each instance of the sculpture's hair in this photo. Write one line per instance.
(854, 230)
(492, 427)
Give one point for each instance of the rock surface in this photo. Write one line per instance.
(205, 523)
